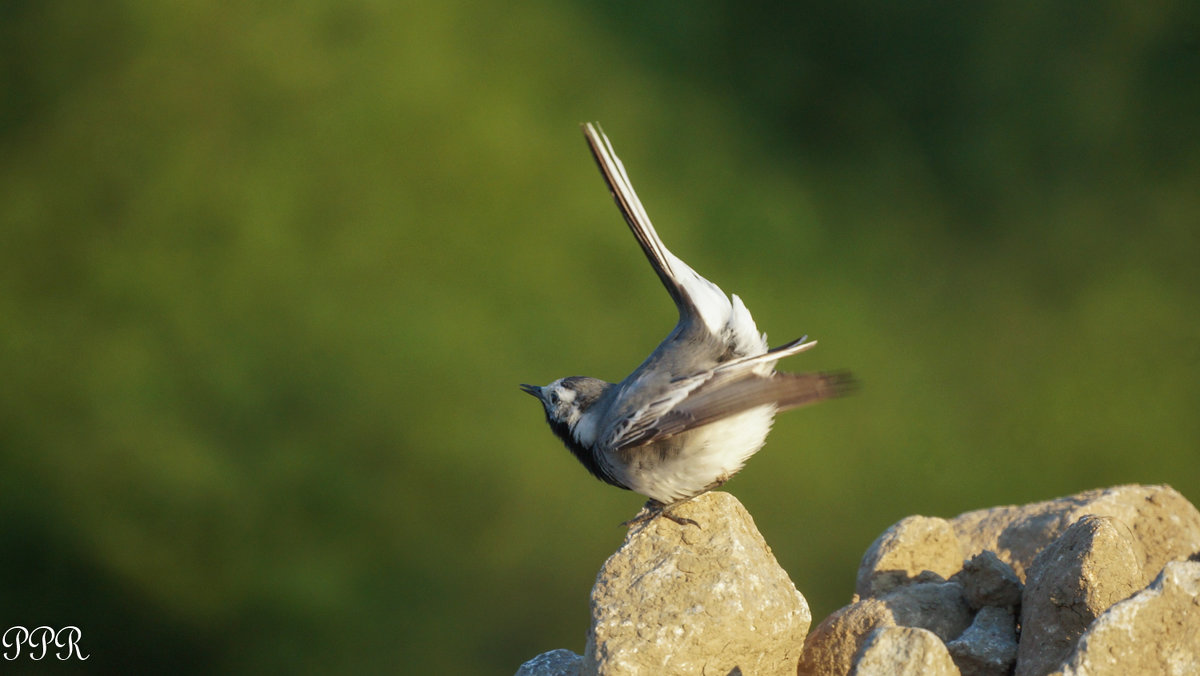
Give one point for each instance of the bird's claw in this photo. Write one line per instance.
(654, 509)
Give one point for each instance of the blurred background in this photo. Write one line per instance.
(270, 274)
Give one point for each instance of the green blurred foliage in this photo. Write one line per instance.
(270, 273)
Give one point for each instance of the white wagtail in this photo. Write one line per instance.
(690, 416)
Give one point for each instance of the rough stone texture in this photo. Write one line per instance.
(712, 600)
(903, 651)
(831, 647)
(554, 663)
(989, 646)
(679, 599)
(913, 545)
(935, 606)
(1163, 521)
(1157, 631)
(1095, 549)
(988, 581)
(1094, 564)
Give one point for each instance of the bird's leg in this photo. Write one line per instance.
(681, 520)
(654, 509)
(645, 515)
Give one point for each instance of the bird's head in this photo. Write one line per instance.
(566, 399)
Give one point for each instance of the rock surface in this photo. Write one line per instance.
(554, 663)
(988, 581)
(712, 600)
(938, 607)
(903, 651)
(1091, 566)
(915, 545)
(1157, 631)
(1080, 553)
(1163, 521)
(989, 646)
(680, 599)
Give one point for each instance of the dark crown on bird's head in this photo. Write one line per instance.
(566, 399)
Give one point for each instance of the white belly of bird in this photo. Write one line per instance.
(708, 456)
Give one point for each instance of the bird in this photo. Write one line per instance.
(701, 404)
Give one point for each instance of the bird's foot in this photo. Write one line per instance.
(654, 509)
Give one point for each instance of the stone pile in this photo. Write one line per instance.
(1102, 582)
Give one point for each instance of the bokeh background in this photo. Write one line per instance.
(270, 274)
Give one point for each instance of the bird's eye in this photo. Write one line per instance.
(554, 398)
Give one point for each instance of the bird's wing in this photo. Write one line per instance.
(731, 388)
(694, 295)
(641, 425)
(708, 400)
(718, 400)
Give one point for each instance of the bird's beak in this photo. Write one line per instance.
(532, 389)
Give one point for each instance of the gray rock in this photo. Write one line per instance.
(1094, 564)
(1163, 521)
(554, 663)
(989, 646)
(912, 546)
(938, 607)
(988, 581)
(696, 600)
(1156, 631)
(903, 651)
